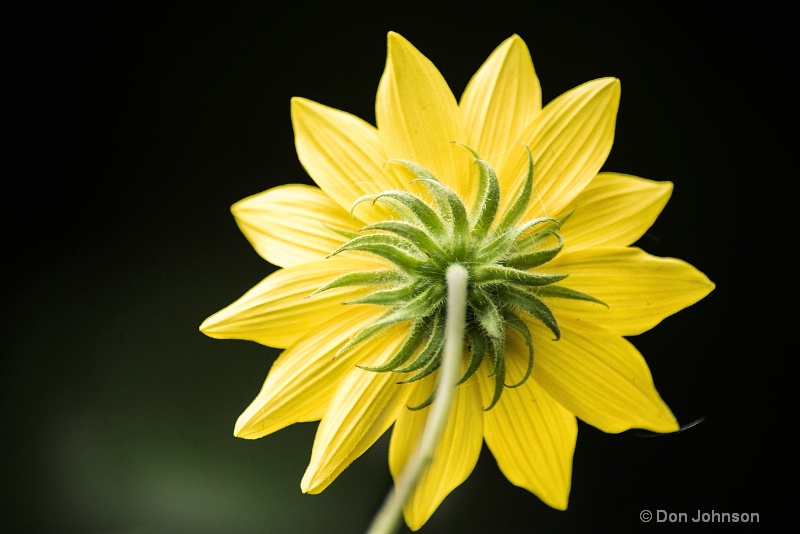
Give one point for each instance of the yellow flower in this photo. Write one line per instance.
(513, 192)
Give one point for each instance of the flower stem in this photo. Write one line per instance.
(388, 517)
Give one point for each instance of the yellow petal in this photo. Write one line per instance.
(500, 100)
(363, 408)
(639, 289)
(343, 155)
(602, 379)
(292, 224)
(305, 377)
(614, 210)
(531, 436)
(455, 455)
(418, 117)
(279, 310)
(570, 140)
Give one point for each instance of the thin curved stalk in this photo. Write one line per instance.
(387, 520)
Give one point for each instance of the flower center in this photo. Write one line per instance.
(501, 253)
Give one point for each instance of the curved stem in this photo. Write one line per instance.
(388, 517)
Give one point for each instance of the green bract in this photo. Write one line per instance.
(502, 257)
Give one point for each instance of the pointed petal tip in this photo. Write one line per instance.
(710, 286)
(242, 208)
(245, 429)
(255, 422)
(207, 326)
(216, 326)
(298, 104)
(515, 43)
(664, 188)
(237, 431)
(610, 83)
(395, 42)
(304, 483)
(301, 105)
(663, 422)
(557, 502)
(311, 485)
(241, 430)
(667, 425)
(393, 39)
(705, 282)
(238, 208)
(413, 523)
(516, 40)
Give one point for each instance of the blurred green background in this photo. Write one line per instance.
(133, 129)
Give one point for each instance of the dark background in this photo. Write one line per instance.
(132, 130)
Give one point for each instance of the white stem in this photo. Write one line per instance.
(388, 517)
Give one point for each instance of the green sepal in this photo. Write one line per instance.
(390, 247)
(427, 402)
(496, 248)
(499, 246)
(431, 365)
(536, 239)
(477, 352)
(499, 374)
(420, 306)
(486, 313)
(485, 213)
(414, 234)
(528, 260)
(359, 200)
(390, 297)
(520, 204)
(424, 175)
(420, 331)
(515, 322)
(496, 352)
(566, 217)
(409, 206)
(362, 278)
(362, 335)
(493, 274)
(487, 200)
(431, 350)
(562, 292)
(459, 230)
(349, 234)
(416, 168)
(532, 305)
(527, 225)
